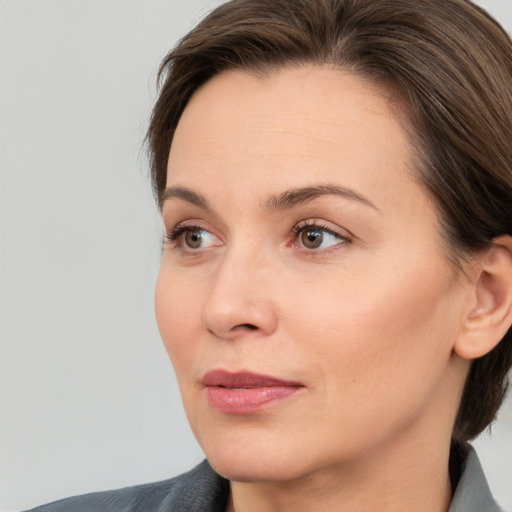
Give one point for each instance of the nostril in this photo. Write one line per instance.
(250, 327)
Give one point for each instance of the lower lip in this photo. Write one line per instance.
(247, 400)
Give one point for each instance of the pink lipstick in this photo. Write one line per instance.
(245, 392)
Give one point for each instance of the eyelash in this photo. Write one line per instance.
(180, 230)
(299, 228)
(310, 225)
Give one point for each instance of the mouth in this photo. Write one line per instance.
(246, 392)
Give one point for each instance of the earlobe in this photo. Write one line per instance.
(490, 316)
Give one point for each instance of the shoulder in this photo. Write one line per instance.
(201, 489)
(472, 493)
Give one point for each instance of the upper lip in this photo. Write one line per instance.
(243, 379)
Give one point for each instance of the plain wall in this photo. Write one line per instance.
(88, 400)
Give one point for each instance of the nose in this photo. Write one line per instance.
(240, 301)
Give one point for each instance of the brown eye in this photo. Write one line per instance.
(193, 238)
(311, 238)
(316, 237)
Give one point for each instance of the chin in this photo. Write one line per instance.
(243, 457)
(257, 467)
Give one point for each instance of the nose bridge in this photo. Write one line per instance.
(240, 295)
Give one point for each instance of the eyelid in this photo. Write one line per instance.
(182, 228)
(175, 212)
(323, 225)
(344, 236)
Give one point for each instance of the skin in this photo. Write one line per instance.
(367, 321)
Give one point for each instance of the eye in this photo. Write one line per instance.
(313, 236)
(192, 237)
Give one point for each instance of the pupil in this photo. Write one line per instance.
(312, 239)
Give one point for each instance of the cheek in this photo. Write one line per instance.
(361, 330)
(177, 316)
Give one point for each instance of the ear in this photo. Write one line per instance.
(489, 315)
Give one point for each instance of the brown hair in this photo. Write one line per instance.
(451, 64)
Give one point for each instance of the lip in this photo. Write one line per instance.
(246, 392)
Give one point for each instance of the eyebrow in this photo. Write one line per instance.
(295, 197)
(286, 200)
(185, 194)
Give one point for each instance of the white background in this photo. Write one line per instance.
(88, 400)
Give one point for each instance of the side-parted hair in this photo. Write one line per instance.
(449, 67)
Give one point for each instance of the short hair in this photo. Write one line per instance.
(448, 63)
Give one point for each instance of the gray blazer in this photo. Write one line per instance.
(203, 490)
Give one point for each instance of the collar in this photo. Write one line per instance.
(472, 493)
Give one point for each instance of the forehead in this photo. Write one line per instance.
(307, 121)
(293, 99)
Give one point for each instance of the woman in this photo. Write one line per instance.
(335, 293)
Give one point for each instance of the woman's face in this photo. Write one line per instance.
(303, 296)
